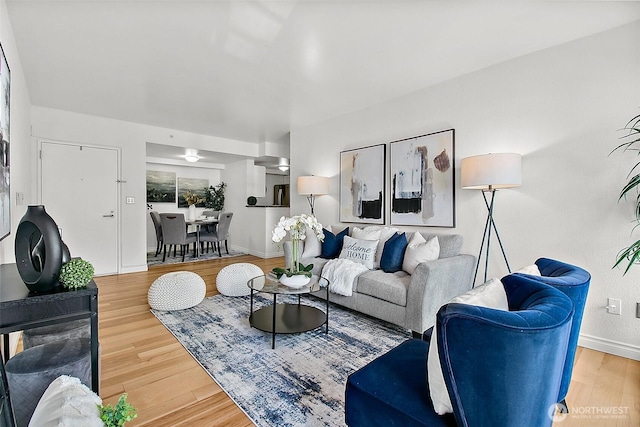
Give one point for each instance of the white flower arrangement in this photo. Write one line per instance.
(296, 226)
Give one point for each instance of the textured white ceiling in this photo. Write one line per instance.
(253, 70)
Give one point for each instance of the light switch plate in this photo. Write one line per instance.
(131, 200)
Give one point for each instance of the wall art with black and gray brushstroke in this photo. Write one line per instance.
(422, 180)
(362, 184)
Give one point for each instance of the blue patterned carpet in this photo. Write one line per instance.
(302, 381)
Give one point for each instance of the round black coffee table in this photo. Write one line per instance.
(287, 318)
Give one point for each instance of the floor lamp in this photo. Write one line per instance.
(312, 186)
(489, 173)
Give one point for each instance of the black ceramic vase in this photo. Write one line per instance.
(39, 250)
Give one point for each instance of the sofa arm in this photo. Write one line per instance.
(434, 283)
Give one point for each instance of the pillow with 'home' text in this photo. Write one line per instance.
(359, 250)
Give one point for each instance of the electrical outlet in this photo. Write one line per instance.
(614, 306)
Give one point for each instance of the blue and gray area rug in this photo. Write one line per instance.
(302, 381)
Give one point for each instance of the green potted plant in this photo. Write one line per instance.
(631, 254)
(115, 416)
(76, 273)
(215, 197)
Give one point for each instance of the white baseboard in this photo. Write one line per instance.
(609, 346)
(259, 254)
(133, 268)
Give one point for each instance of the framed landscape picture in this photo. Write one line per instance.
(161, 187)
(5, 191)
(422, 180)
(362, 184)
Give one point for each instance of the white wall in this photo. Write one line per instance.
(22, 159)
(561, 109)
(213, 175)
(131, 138)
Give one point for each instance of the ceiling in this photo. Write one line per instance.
(254, 70)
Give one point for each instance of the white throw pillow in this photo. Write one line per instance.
(531, 270)
(312, 246)
(490, 294)
(365, 234)
(67, 402)
(419, 250)
(360, 251)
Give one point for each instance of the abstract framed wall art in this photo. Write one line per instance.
(196, 185)
(161, 187)
(5, 190)
(362, 184)
(422, 180)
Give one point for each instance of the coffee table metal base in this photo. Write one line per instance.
(288, 319)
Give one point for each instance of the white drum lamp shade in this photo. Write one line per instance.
(312, 186)
(491, 171)
(488, 173)
(316, 185)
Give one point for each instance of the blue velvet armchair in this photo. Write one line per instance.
(501, 368)
(574, 282)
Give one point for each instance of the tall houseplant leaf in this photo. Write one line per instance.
(631, 254)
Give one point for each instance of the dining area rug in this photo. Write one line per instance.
(153, 259)
(299, 383)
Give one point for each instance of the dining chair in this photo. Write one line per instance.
(210, 227)
(155, 217)
(174, 233)
(221, 233)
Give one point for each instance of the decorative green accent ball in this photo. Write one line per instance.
(76, 273)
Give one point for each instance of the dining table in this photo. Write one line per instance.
(198, 223)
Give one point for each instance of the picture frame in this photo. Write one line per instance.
(5, 157)
(161, 187)
(423, 180)
(362, 184)
(196, 185)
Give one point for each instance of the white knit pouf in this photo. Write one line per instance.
(232, 279)
(176, 291)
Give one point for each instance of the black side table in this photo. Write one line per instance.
(20, 310)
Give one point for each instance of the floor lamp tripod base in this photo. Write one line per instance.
(489, 226)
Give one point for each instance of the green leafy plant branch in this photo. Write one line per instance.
(76, 273)
(631, 254)
(215, 196)
(115, 416)
(302, 270)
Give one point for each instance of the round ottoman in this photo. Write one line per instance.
(232, 279)
(176, 291)
(30, 372)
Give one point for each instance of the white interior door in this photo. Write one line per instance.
(80, 191)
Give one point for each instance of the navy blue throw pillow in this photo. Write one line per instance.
(393, 253)
(332, 244)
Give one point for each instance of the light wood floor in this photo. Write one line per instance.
(140, 357)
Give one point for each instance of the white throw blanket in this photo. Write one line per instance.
(341, 274)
